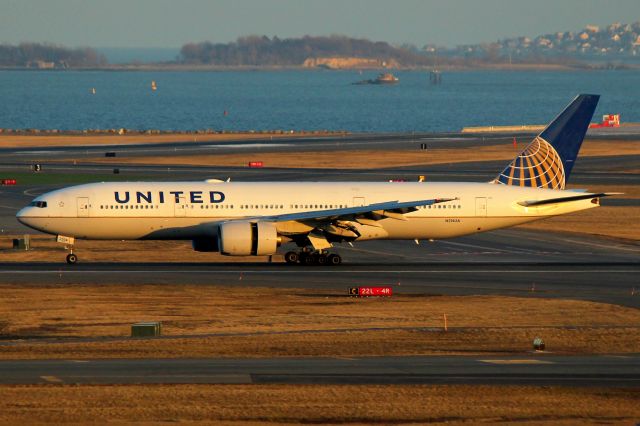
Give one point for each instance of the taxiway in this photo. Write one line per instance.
(534, 369)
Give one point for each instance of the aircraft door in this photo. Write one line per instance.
(481, 206)
(180, 207)
(358, 202)
(83, 206)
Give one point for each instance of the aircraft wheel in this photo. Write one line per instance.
(323, 259)
(308, 259)
(72, 258)
(334, 259)
(291, 257)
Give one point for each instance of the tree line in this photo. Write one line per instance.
(262, 50)
(27, 54)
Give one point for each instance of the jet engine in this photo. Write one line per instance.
(240, 238)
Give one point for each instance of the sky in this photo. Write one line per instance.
(172, 23)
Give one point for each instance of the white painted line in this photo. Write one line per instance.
(33, 152)
(30, 193)
(249, 145)
(495, 249)
(515, 361)
(228, 378)
(607, 246)
(51, 379)
(449, 139)
(298, 271)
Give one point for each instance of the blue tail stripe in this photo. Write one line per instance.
(552, 154)
(567, 131)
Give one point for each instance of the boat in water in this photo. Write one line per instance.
(383, 78)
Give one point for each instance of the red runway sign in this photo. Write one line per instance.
(371, 291)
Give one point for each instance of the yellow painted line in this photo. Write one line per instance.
(515, 361)
(51, 379)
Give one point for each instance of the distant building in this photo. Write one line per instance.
(615, 26)
(41, 65)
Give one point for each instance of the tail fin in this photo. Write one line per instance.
(547, 161)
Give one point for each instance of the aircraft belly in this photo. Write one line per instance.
(128, 228)
(447, 227)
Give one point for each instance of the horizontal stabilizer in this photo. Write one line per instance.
(533, 203)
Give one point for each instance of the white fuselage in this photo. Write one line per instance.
(188, 210)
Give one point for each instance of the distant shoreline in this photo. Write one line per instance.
(213, 68)
(50, 138)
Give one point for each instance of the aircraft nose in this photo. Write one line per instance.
(23, 215)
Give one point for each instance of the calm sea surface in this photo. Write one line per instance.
(309, 100)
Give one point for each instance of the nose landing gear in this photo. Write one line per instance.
(68, 245)
(72, 258)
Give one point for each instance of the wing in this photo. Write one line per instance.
(533, 203)
(322, 227)
(392, 209)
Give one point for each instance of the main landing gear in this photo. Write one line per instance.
(312, 258)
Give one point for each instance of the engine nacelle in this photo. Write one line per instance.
(239, 238)
(205, 244)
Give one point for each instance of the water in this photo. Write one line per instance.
(302, 100)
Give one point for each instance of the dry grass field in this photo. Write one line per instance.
(239, 321)
(316, 404)
(48, 140)
(361, 159)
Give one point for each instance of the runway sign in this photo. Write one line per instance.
(371, 291)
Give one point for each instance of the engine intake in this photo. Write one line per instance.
(248, 238)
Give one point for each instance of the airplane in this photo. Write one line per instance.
(255, 218)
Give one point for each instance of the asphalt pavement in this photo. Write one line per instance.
(533, 369)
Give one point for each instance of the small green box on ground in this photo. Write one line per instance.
(22, 243)
(146, 329)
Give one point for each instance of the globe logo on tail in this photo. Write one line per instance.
(538, 166)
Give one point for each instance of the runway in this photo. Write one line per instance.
(533, 369)
(615, 284)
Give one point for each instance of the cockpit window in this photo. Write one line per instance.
(39, 204)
